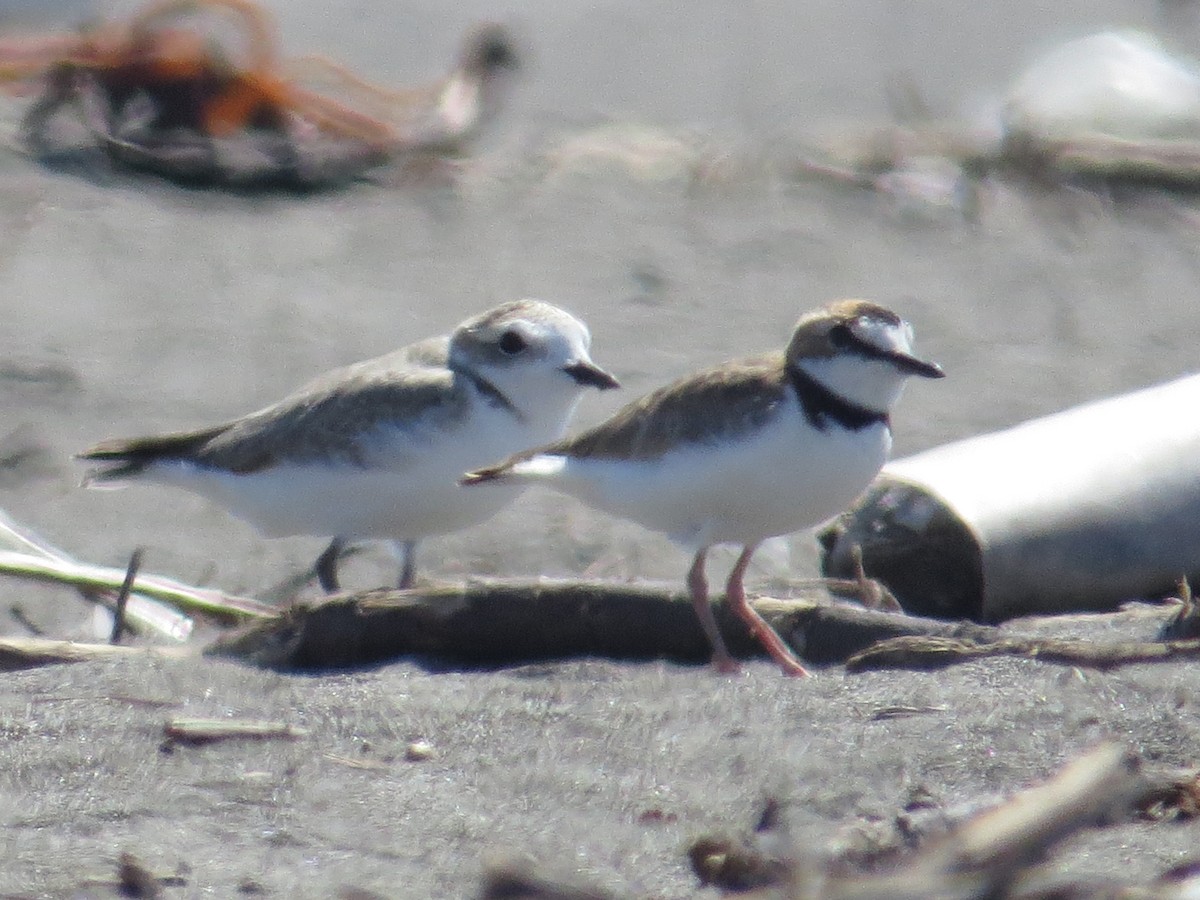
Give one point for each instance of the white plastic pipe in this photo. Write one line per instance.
(1083, 509)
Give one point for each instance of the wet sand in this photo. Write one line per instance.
(134, 306)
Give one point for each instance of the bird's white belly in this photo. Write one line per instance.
(780, 479)
(354, 503)
(405, 492)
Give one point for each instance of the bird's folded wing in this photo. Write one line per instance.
(699, 409)
(375, 419)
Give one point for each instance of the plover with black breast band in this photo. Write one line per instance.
(375, 450)
(744, 451)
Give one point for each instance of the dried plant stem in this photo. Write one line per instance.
(82, 575)
(135, 563)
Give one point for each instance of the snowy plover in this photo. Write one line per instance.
(744, 451)
(375, 450)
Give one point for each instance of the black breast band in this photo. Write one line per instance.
(820, 405)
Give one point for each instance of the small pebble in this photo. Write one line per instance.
(419, 751)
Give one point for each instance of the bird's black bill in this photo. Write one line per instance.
(910, 365)
(591, 375)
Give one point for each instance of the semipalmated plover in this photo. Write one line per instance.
(744, 451)
(375, 450)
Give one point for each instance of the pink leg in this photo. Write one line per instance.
(698, 586)
(735, 596)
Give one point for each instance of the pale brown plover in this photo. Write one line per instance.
(744, 451)
(375, 450)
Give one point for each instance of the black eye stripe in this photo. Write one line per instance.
(843, 337)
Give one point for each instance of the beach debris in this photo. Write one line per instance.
(196, 732)
(497, 622)
(996, 851)
(520, 878)
(441, 117)
(351, 762)
(739, 863)
(1083, 509)
(1113, 107)
(122, 601)
(135, 880)
(1185, 623)
(1174, 795)
(89, 578)
(928, 652)
(31, 652)
(149, 599)
(198, 91)
(25, 553)
(419, 751)
(512, 623)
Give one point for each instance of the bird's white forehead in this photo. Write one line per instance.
(541, 324)
(554, 325)
(882, 334)
(539, 318)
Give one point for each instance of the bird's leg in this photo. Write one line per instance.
(698, 585)
(735, 596)
(407, 551)
(326, 566)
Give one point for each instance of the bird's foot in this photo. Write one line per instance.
(792, 668)
(724, 664)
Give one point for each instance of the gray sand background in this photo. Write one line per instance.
(132, 306)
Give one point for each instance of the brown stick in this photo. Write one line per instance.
(28, 652)
(209, 731)
(936, 652)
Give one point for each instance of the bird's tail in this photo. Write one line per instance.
(518, 468)
(123, 459)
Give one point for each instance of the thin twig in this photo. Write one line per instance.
(208, 731)
(135, 563)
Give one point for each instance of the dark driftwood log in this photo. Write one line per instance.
(937, 652)
(503, 623)
(492, 623)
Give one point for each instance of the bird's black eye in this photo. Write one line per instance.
(511, 343)
(841, 336)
